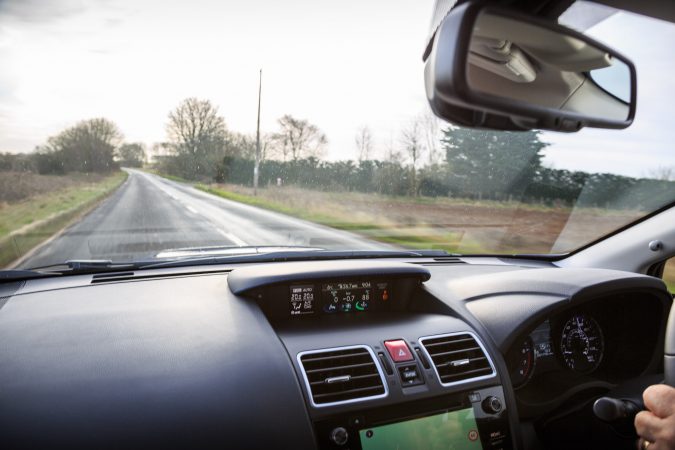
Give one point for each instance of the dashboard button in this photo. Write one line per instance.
(492, 405)
(398, 350)
(410, 375)
(339, 436)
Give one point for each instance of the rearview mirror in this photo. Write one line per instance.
(495, 68)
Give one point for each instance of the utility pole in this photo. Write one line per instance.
(256, 166)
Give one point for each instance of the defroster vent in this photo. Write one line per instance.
(342, 375)
(458, 358)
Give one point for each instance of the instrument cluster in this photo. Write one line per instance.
(574, 342)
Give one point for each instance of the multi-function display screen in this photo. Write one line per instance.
(337, 297)
(302, 299)
(346, 296)
(448, 430)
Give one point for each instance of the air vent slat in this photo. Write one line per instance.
(312, 358)
(458, 358)
(454, 352)
(345, 367)
(348, 393)
(469, 361)
(435, 342)
(357, 377)
(342, 375)
(484, 371)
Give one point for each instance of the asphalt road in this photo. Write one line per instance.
(149, 214)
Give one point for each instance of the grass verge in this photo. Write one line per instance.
(671, 285)
(400, 232)
(28, 223)
(167, 176)
(403, 236)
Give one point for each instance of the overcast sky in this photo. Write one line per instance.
(340, 64)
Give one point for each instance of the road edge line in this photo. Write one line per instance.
(78, 216)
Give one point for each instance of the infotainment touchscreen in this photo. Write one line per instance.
(448, 430)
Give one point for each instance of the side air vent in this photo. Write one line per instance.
(342, 375)
(458, 358)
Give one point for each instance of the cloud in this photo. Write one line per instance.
(38, 11)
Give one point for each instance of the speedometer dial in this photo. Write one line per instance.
(582, 343)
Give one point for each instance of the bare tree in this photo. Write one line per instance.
(159, 150)
(131, 155)
(392, 152)
(197, 133)
(266, 146)
(298, 139)
(87, 146)
(411, 138)
(239, 145)
(364, 143)
(662, 173)
(195, 123)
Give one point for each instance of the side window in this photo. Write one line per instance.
(669, 274)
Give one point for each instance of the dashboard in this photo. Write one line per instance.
(358, 354)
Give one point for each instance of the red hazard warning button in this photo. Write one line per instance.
(398, 350)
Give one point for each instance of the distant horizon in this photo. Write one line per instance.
(69, 61)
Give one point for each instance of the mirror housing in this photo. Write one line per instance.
(490, 67)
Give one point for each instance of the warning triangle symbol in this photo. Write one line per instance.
(401, 352)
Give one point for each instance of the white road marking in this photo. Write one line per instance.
(232, 237)
(291, 230)
(191, 209)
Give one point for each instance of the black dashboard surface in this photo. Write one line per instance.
(180, 360)
(170, 363)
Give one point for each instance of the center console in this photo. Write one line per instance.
(381, 364)
(467, 420)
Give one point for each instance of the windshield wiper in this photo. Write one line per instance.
(71, 267)
(82, 265)
(10, 275)
(284, 256)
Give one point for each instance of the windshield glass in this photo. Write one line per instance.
(132, 130)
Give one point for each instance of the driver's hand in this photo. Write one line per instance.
(656, 426)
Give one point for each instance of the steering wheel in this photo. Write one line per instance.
(669, 354)
(611, 409)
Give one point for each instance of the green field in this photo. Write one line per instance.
(452, 224)
(455, 225)
(669, 274)
(27, 223)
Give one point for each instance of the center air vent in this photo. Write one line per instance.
(342, 375)
(458, 358)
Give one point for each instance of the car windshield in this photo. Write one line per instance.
(135, 130)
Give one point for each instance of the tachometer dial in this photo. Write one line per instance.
(522, 363)
(582, 343)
